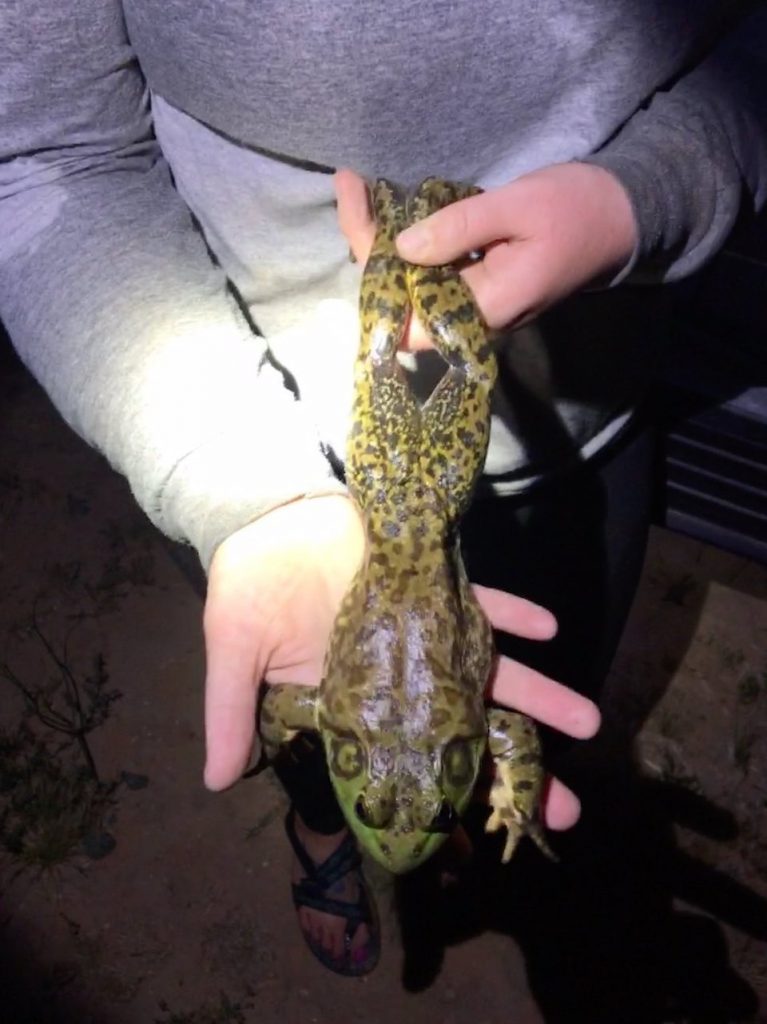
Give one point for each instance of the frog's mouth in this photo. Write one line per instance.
(399, 848)
(405, 828)
(441, 820)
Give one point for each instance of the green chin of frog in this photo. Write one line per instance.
(397, 852)
(400, 842)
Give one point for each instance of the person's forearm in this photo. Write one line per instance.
(695, 156)
(115, 306)
(111, 298)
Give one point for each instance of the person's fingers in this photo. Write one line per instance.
(514, 282)
(543, 699)
(458, 229)
(356, 222)
(543, 236)
(523, 688)
(516, 615)
(354, 216)
(561, 807)
(233, 668)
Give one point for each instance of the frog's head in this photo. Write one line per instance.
(401, 802)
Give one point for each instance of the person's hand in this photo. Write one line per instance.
(274, 589)
(544, 236)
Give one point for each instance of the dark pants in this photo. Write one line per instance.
(574, 545)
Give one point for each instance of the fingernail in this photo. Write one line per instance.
(413, 241)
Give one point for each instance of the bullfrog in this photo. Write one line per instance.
(401, 706)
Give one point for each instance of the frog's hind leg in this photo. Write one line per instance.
(516, 792)
(456, 417)
(383, 442)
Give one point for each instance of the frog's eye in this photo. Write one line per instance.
(457, 763)
(347, 758)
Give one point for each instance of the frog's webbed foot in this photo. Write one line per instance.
(516, 792)
(286, 710)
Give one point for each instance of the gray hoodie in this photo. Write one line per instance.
(170, 263)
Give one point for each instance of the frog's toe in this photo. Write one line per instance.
(504, 818)
(514, 800)
(517, 824)
(538, 836)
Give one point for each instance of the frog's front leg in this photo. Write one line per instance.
(286, 710)
(516, 792)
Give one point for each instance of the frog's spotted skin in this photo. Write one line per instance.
(400, 708)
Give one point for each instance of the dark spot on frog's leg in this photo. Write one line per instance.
(529, 758)
(466, 313)
(430, 276)
(523, 785)
(484, 352)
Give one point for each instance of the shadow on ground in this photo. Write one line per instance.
(602, 932)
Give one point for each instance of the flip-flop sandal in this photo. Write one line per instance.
(311, 892)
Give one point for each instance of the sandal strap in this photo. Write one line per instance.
(322, 876)
(353, 913)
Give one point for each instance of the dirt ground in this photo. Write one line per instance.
(135, 897)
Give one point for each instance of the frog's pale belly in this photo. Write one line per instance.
(400, 708)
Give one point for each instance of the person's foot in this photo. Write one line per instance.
(334, 907)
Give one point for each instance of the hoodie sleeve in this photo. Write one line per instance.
(695, 155)
(110, 295)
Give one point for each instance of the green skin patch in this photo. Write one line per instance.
(400, 708)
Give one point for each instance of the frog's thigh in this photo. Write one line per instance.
(384, 437)
(434, 193)
(286, 710)
(456, 417)
(516, 792)
(456, 425)
(456, 421)
(446, 307)
(441, 298)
